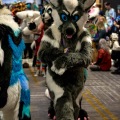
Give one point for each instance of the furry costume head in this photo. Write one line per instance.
(71, 17)
(94, 12)
(47, 14)
(29, 16)
(114, 37)
(7, 20)
(45, 17)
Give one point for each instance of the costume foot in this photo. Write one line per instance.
(83, 115)
(84, 118)
(51, 113)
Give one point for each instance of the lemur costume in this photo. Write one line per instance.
(66, 49)
(40, 26)
(14, 85)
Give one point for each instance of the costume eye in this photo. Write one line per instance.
(64, 17)
(49, 10)
(75, 18)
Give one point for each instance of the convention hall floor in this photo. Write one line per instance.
(101, 96)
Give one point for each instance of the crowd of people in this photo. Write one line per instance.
(108, 22)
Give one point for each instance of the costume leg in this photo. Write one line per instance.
(24, 109)
(51, 111)
(82, 113)
(64, 108)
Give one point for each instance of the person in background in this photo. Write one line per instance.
(116, 53)
(34, 6)
(101, 30)
(103, 20)
(110, 15)
(117, 23)
(103, 62)
(40, 8)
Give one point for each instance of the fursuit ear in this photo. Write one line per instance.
(88, 4)
(54, 3)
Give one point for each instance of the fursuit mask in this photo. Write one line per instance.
(71, 17)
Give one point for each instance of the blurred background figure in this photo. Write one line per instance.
(116, 51)
(103, 62)
(110, 15)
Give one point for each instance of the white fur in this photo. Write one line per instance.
(10, 110)
(56, 18)
(57, 34)
(87, 39)
(47, 93)
(26, 31)
(33, 45)
(58, 91)
(28, 14)
(5, 11)
(60, 71)
(52, 42)
(114, 38)
(82, 21)
(94, 12)
(1, 55)
(8, 21)
(37, 20)
(70, 5)
(78, 46)
(78, 98)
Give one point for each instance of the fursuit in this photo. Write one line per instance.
(14, 85)
(114, 48)
(66, 48)
(45, 17)
(113, 42)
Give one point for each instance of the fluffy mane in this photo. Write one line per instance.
(8, 21)
(4, 10)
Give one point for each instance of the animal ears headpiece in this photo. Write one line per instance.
(86, 3)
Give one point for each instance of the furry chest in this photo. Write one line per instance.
(73, 77)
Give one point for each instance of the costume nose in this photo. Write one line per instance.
(69, 31)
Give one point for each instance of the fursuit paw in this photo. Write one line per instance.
(51, 113)
(59, 71)
(59, 65)
(83, 115)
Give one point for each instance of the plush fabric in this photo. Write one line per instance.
(67, 50)
(14, 84)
